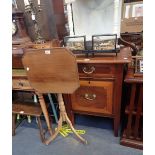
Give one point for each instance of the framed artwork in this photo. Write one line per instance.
(75, 43)
(138, 64)
(105, 42)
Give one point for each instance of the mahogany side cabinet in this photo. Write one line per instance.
(100, 88)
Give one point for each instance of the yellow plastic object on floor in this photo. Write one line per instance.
(65, 130)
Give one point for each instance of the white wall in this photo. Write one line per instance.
(96, 17)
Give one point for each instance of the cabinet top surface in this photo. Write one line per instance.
(124, 56)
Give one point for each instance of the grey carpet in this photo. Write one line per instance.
(100, 142)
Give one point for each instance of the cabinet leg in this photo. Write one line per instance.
(72, 118)
(116, 127)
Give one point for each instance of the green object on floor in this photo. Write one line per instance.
(65, 130)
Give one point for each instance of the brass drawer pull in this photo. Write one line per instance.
(90, 96)
(21, 84)
(88, 70)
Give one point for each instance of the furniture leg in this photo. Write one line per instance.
(72, 118)
(63, 118)
(13, 124)
(45, 112)
(42, 136)
(70, 113)
(74, 131)
(116, 126)
(56, 132)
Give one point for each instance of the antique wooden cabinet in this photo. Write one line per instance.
(132, 128)
(100, 87)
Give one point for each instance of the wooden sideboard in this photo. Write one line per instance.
(100, 89)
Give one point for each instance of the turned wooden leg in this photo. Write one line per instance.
(42, 136)
(45, 112)
(56, 132)
(63, 118)
(13, 124)
(74, 131)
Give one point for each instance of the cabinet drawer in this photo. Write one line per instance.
(94, 96)
(96, 70)
(21, 84)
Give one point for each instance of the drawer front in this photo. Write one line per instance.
(94, 96)
(21, 84)
(96, 70)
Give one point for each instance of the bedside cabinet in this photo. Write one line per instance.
(100, 88)
(93, 96)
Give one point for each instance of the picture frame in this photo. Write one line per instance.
(104, 43)
(75, 43)
(138, 64)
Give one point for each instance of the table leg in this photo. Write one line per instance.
(63, 118)
(45, 112)
(13, 124)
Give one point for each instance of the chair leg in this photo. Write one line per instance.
(42, 136)
(13, 124)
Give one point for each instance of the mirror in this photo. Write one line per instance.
(94, 17)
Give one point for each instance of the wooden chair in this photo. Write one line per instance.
(30, 109)
(53, 71)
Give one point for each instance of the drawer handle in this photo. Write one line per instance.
(88, 70)
(90, 96)
(20, 84)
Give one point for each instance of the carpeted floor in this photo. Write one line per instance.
(101, 140)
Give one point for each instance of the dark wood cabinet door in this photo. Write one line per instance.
(94, 97)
